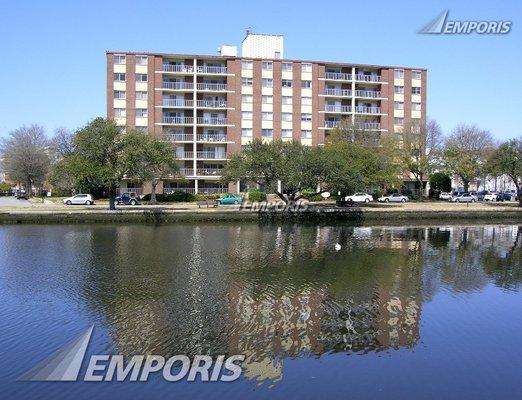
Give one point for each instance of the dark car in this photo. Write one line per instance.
(504, 197)
(480, 195)
(127, 199)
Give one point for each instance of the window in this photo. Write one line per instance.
(141, 112)
(306, 101)
(415, 90)
(306, 117)
(286, 100)
(398, 121)
(286, 133)
(247, 65)
(119, 112)
(415, 122)
(306, 67)
(399, 73)
(119, 59)
(267, 82)
(286, 117)
(141, 60)
(416, 106)
(286, 83)
(141, 77)
(119, 77)
(246, 115)
(399, 89)
(140, 95)
(306, 84)
(267, 65)
(267, 116)
(306, 134)
(398, 105)
(286, 66)
(416, 74)
(119, 94)
(277, 54)
(246, 132)
(267, 99)
(267, 133)
(247, 98)
(246, 81)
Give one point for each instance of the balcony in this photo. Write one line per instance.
(212, 87)
(337, 109)
(184, 154)
(213, 70)
(211, 103)
(211, 121)
(187, 171)
(177, 103)
(368, 78)
(178, 120)
(178, 85)
(209, 171)
(338, 92)
(372, 94)
(331, 124)
(211, 138)
(367, 110)
(369, 125)
(179, 137)
(187, 69)
(337, 76)
(211, 155)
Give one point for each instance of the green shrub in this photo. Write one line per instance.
(256, 195)
(177, 196)
(211, 196)
(310, 195)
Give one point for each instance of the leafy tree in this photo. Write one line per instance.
(148, 158)
(25, 156)
(5, 187)
(507, 159)
(466, 151)
(440, 182)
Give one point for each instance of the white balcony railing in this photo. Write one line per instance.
(202, 69)
(179, 137)
(211, 155)
(369, 125)
(185, 154)
(187, 171)
(178, 68)
(211, 121)
(331, 124)
(215, 87)
(211, 103)
(337, 109)
(209, 171)
(338, 92)
(367, 110)
(170, 190)
(368, 93)
(177, 103)
(178, 85)
(338, 76)
(178, 120)
(205, 137)
(368, 78)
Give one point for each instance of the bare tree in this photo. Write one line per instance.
(62, 142)
(25, 156)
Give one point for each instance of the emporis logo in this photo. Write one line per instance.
(441, 25)
(65, 365)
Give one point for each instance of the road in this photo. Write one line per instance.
(12, 202)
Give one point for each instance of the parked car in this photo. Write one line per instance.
(127, 199)
(464, 198)
(86, 199)
(505, 197)
(445, 195)
(482, 194)
(491, 196)
(359, 198)
(393, 198)
(21, 195)
(230, 199)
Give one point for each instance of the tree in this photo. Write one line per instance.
(466, 151)
(421, 150)
(507, 159)
(25, 156)
(148, 158)
(440, 182)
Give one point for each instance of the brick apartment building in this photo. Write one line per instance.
(211, 105)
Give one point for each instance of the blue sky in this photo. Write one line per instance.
(53, 66)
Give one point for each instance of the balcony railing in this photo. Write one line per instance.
(170, 190)
(368, 93)
(331, 124)
(368, 78)
(338, 76)
(368, 110)
(209, 171)
(178, 68)
(178, 120)
(211, 121)
(178, 85)
(369, 125)
(177, 103)
(211, 103)
(338, 92)
(204, 137)
(202, 69)
(337, 109)
(212, 155)
(179, 137)
(185, 154)
(215, 87)
(187, 171)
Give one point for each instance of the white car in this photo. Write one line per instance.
(359, 198)
(393, 198)
(490, 197)
(445, 195)
(86, 199)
